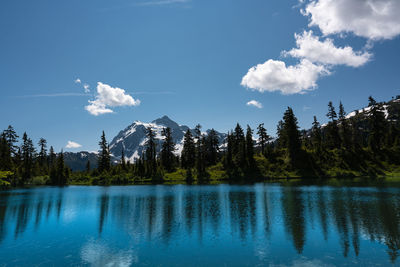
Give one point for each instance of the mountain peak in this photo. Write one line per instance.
(133, 139)
(163, 118)
(166, 121)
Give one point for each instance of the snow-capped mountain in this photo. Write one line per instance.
(133, 138)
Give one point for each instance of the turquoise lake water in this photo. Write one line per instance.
(263, 224)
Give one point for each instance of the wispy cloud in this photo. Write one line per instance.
(254, 103)
(162, 2)
(86, 87)
(52, 95)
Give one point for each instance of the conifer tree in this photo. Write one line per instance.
(371, 101)
(11, 138)
(123, 162)
(167, 149)
(356, 137)
(188, 151)
(28, 152)
(377, 124)
(61, 178)
(212, 147)
(104, 159)
(281, 137)
(43, 152)
(150, 153)
(263, 137)
(5, 154)
(52, 156)
(200, 166)
(229, 150)
(291, 135)
(332, 130)
(344, 127)
(249, 145)
(239, 148)
(316, 135)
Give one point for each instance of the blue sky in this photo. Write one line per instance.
(186, 59)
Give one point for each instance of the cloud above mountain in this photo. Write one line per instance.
(312, 48)
(72, 144)
(274, 75)
(108, 97)
(318, 55)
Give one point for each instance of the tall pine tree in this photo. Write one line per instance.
(104, 159)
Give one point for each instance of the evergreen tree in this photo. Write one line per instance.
(43, 152)
(167, 149)
(249, 145)
(316, 135)
(104, 159)
(52, 156)
(188, 151)
(212, 147)
(263, 137)
(291, 135)
(281, 137)
(5, 154)
(28, 152)
(200, 166)
(356, 137)
(332, 130)
(61, 178)
(229, 151)
(371, 101)
(344, 127)
(377, 124)
(150, 153)
(11, 138)
(239, 147)
(331, 112)
(123, 162)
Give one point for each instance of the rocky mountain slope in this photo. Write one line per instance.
(133, 138)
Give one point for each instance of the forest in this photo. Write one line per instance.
(365, 144)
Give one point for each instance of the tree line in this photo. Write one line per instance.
(24, 162)
(365, 143)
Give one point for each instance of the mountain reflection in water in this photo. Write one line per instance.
(181, 225)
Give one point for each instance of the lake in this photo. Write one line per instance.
(206, 225)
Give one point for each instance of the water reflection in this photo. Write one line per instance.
(203, 214)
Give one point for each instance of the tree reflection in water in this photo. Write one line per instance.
(168, 213)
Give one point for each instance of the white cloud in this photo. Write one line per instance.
(310, 47)
(372, 19)
(108, 96)
(78, 81)
(254, 103)
(274, 75)
(72, 144)
(86, 87)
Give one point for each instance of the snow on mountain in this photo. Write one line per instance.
(133, 138)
